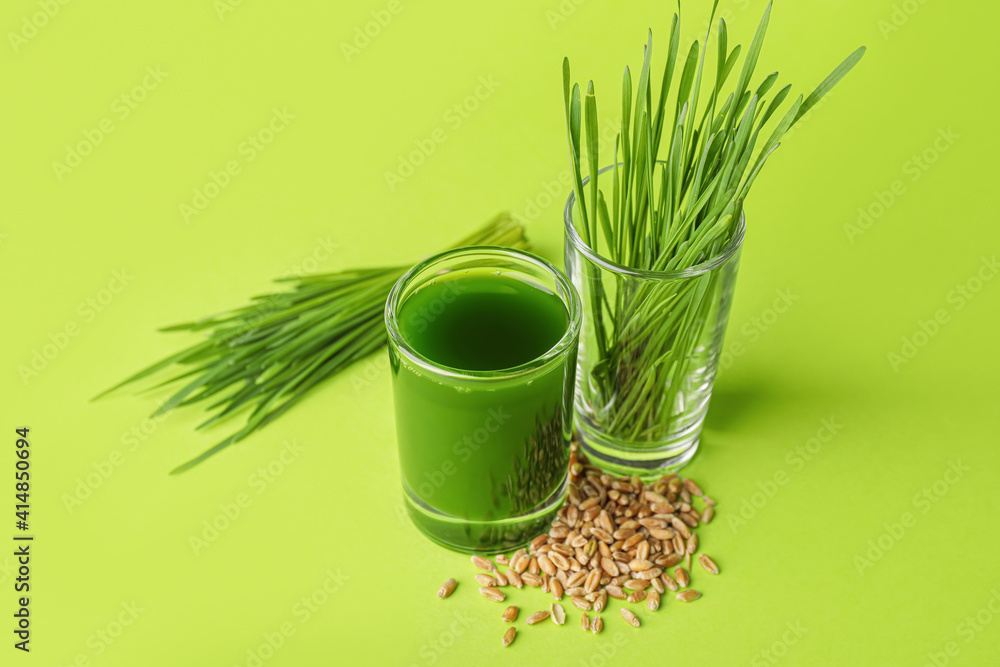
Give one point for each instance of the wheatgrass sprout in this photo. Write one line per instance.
(264, 357)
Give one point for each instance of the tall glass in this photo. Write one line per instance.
(484, 454)
(649, 351)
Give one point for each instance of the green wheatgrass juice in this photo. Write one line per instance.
(481, 444)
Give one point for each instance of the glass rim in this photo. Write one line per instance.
(709, 264)
(568, 340)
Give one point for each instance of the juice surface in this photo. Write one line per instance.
(476, 452)
(482, 321)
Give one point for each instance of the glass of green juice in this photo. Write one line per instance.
(482, 346)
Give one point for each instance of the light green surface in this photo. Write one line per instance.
(335, 507)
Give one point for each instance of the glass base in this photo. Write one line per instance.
(648, 460)
(483, 536)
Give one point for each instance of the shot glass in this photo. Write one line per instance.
(483, 450)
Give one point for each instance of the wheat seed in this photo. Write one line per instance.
(447, 588)
(638, 565)
(693, 488)
(678, 545)
(559, 560)
(667, 560)
(558, 614)
(537, 617)
(613, 538)
(615, 592)
(509, 614)
(661, 533)
(508, 637)
(482, 563)
(707, 563)
(629, 617)
(546, 565)
(520, 564)
(680, 527)
(492, 594)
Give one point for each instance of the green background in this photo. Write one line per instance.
(810, 534)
